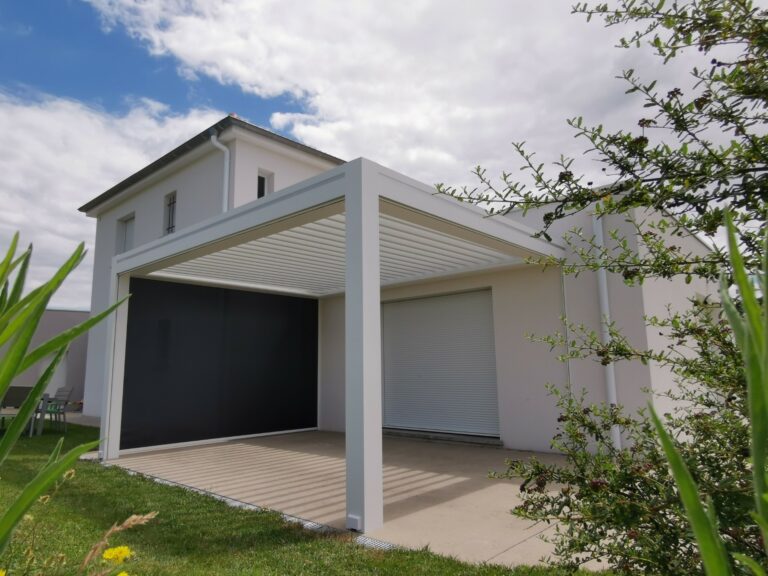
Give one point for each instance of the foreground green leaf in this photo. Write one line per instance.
(37, 487)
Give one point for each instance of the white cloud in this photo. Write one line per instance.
(428, 87)
(56, 154)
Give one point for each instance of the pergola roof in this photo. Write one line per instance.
(295, 241)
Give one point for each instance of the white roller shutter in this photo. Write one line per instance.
(439, 364)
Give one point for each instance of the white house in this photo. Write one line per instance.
(276, 288)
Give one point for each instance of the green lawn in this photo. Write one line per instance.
(194, 534)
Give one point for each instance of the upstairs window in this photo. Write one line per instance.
(262, 190)
(125, 229)
(265, 183)
(169, 219)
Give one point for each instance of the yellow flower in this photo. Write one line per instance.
(118, 554)
(2, 572)
(123, 573)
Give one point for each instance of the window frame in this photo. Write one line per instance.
(170, 203)
(268, 179)
(125, 224)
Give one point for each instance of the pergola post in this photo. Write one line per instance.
(365, 498)
(112, 409)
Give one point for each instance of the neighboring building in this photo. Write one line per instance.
(71, 370)
(277, 288)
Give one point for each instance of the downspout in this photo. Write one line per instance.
(605, 321)
(225, 193)
(567, 319)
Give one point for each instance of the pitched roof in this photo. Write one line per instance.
(194, 142)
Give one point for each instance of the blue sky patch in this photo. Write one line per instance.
(60, 48)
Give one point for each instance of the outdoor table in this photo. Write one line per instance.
(36, 421)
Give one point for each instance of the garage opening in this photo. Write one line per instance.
(205, 363)
(439, 364)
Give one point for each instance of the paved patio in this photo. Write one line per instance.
(436, 494)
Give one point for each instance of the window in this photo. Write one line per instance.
(266, 183)
(169, 218)
(125, 229)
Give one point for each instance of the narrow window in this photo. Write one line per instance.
(262, 190)
(125, 228)
(169, 220)
(265, 183)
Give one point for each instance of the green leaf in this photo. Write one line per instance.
(65, 337)
(15, 353)
(27, 409)
(22, 260)
(14, 326)
(711, 546)
(752, 309)
(45, 292)
(757, 570)
(750, 336)
(761, 522)
(22, 328)
(753, 369)
(21, 276)
(731, 312)
(54, 455)
(39, 484)
(6, 263)
(11, 312)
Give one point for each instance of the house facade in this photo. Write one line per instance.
(275, 288)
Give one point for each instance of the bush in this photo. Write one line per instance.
(622, 506)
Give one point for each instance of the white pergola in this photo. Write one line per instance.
(350, 230)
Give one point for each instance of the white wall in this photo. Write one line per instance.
(662, 297)
(248, 158)
(525, 300)
(629, 306)
(583, 307)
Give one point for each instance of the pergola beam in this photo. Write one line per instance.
(112, 409)
(307, 201)
(365, 485)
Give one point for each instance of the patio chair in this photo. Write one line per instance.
(56, 408)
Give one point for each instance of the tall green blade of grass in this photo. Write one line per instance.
(711, 547)
(39, 484)
(21, 277)
(43, 295)
(19, 319)
(19, 423)
(52, 345)
(6, 264)
(750, 329)
(754, 348)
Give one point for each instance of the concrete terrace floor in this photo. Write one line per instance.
(436, 494)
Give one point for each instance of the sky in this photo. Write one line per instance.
(93, 90)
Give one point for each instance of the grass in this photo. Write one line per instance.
(194, 534)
